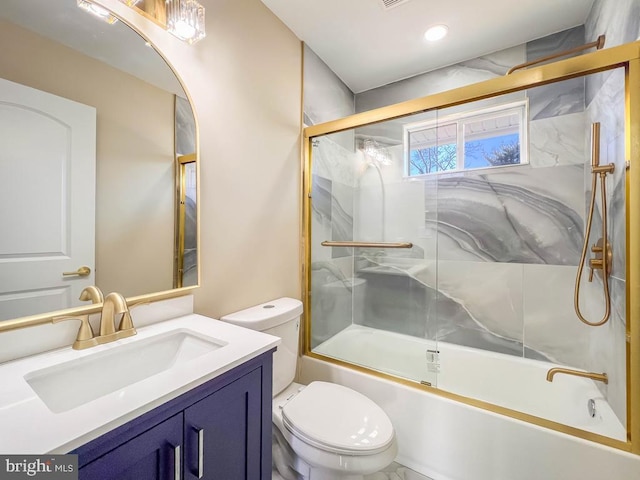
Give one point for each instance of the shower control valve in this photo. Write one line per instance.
(599, 262)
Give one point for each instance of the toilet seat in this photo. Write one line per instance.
(337, 419)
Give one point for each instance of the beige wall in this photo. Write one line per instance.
(245, 81)
(134, 188)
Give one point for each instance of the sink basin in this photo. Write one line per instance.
(68, 385)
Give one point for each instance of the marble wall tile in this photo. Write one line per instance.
(556, 42)
(185, 127)
(619, 21)
(443, 79)
(330, 159)
(326, 97)
(511, 215)
(557, 141)
(607, 348)
(496, 305)
(550, 323)
(558, 98)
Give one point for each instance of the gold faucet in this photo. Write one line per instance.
(600, 377)
(113, 305)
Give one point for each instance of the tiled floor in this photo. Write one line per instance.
(395, 471)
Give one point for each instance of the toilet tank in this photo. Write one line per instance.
(280, 318)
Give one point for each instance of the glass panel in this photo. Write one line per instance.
(482, 304)
(370, 306)
(433, 149)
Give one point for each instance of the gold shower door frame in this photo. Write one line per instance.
(625, 56)
(181, 193)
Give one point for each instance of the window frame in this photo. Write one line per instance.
(520, 107)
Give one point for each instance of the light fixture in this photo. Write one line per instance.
(185, 20)
(130, 3)
(374, 151)
(98, 11)
(436, 32)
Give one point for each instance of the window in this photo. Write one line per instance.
(491, 137)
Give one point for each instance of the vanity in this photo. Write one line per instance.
(171, 395)
(185, 398)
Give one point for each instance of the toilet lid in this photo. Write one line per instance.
(337, 419)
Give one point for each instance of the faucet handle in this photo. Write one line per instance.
(92, 293)
(127, 322)
(85, 338)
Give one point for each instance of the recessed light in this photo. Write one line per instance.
(436, 32)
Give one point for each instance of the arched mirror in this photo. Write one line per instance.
(95, 128)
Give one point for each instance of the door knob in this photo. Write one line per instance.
(81, 272)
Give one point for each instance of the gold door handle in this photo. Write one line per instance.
(81, 272)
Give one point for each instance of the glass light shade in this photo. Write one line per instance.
(97, 10)
(185, 20)
(131, 3)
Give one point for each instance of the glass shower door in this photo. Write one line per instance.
(371, 285)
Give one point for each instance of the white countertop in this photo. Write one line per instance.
(27, 426)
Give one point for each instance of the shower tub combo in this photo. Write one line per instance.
(436, 283)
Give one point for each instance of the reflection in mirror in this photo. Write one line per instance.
(92, 122)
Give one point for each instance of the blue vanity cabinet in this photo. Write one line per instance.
(222, 433)
(220, 430)
(152, 455)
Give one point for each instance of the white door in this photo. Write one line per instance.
(47, 200)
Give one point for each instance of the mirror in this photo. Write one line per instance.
(117, 196)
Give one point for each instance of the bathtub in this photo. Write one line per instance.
(512, 382)
(445, 439)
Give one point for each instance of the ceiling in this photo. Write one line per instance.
(368, 45)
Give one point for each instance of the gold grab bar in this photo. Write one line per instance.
(602, 248)
(328, 243)
(600, 377)
(598, 44)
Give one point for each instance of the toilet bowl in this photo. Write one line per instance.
(322, 431)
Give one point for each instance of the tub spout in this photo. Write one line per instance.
(600, 377)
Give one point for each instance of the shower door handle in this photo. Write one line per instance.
(350, 244)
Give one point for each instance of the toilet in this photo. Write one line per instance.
(322, 431)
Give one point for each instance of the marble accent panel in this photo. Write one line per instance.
(320, 217)
(185, 127)
(511, 215)
(462, 307)
(490, 292)
(559, 98)
(550, 323)
(332, 214)
(557, 141)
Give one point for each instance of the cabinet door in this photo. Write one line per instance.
(154, 454)
(223, 433)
